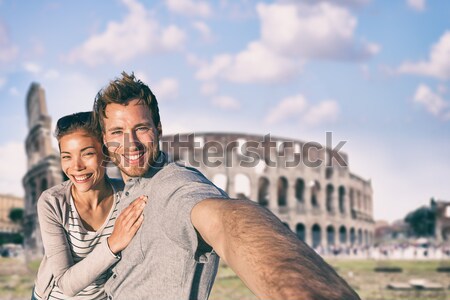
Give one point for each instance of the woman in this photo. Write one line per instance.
(81, 232)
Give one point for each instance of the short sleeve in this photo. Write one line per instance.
(180, 189)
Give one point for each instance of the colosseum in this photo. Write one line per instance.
(308, 186)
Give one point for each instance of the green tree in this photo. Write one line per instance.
(16, 215)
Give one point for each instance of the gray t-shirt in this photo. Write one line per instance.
(167, 258)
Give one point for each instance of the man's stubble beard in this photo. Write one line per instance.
(137, 171)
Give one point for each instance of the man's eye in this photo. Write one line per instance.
(89, 153)
(65, 157)
(142, 129)
(117, 132)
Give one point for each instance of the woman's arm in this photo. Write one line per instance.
(72, 277)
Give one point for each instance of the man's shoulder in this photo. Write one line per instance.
(177, 171)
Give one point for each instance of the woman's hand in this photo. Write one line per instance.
(127, 224)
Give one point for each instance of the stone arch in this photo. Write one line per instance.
(316, 235)
(300, 230)
(300, 191)
(242, 186)
(342, 235)
(315, 193)
(352, 236)
(331, 235)
(282, 191)
(342, 199)
(263, 191)
(221, 181)
(329, 197)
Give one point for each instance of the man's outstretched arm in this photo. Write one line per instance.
(267, 256)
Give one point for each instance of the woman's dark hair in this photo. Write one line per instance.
(78, 121)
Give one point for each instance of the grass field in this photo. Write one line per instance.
(16, 280)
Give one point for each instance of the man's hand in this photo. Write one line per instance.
(127, 224)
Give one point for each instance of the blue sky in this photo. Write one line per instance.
(373, 72)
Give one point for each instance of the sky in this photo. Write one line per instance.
(375, 73)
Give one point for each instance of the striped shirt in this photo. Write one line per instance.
(81, 242)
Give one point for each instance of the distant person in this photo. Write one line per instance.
(81, 230)
(189, 222)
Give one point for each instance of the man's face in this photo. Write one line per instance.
(131, 137)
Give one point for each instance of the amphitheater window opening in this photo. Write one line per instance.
(360, 237)
(342, 199)
(282, 191)
(315, 190)
(328, 172)
(316, 236)
(286, 225)
(342, 235)
(240, 146)
(366, 237)
(301, 232)
(263, 191)
(352, 236)
(331, 236)
(242, 186)
(358, 200)
(329, 201)
(300, 191)
(221, 181)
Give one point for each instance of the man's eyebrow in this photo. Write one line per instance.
(115, 128)
(64, 152)
(149, 124)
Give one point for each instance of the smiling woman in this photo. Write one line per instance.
(81, 230)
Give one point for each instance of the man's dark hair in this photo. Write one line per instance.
(121, 91)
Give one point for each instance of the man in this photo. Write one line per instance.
(188, 223)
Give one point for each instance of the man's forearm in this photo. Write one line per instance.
(272, 261)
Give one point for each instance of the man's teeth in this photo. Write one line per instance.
(82, 178)
(133, 157)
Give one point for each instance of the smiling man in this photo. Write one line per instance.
(189, 222)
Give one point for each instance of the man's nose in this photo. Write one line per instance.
(132, 142)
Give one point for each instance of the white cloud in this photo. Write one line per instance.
(297, 108)
(325, 112)
(8, 51)
(288, 108)
(438, 64)
(12, 170)
(137, 34)
(321, 31)
(32, 67)
(226, 103)
(349, 3)
(418, 5)
(431, 101)
(203, 29)
(291, 34)
(190, 8)
(257, 63)
(208, 88)
(166, 89)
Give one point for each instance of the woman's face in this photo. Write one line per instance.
(82, 160)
